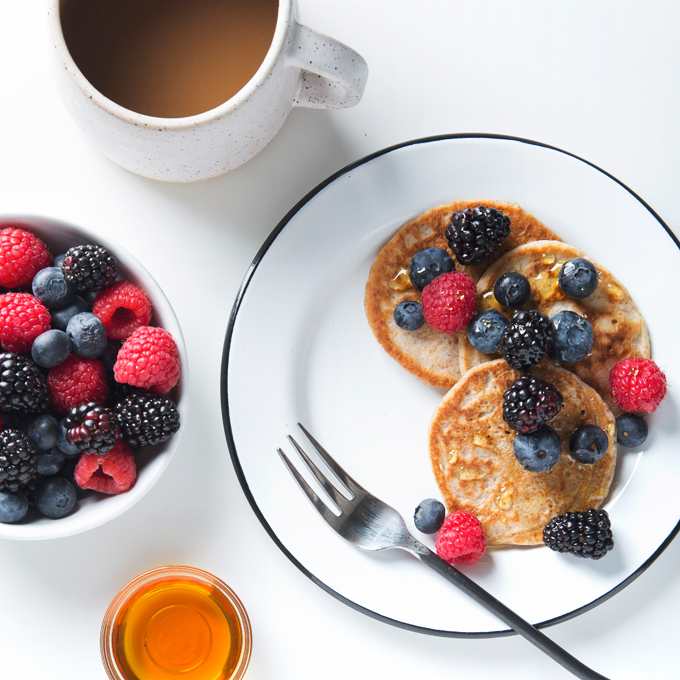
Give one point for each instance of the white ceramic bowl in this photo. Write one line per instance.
(95, 509)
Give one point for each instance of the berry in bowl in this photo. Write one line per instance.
(92, 373)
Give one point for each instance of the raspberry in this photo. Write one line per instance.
(461, 539)
(149, 359)
(449, 302)
(22, 255)
(637, 385)
(77, 381)
(122, 309)
(113, 473)
(22, 319)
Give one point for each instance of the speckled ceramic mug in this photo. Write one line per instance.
(301, 68)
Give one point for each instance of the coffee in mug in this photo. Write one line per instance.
(168, 58)
(185, 90)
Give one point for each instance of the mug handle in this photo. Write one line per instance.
(333, 76)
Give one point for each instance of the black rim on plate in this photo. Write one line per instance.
(225, 396)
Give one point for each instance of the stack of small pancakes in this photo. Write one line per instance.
(471, 446)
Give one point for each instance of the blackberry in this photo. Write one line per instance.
(118, 391)
(530, 402)
(147, 419)
(474, 234)
(526, 340)
(89, 267)
(92, 428)
(23, 387)
(18, 460)
(584, 534)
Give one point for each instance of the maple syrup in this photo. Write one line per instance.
(401, 280)
(176, 623)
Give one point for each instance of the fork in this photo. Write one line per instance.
(370, 524)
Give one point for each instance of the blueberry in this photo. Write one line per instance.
(537, 451)
(427, 264)
(408, 315)
(13, 506)
(486, 329)
(61, 317)
(572, 337)
(59, 260)
(50, 462)
(429, 516)
(44, 431)
(631, 430)
(87, 334)
(51, 348)
(578, 278)
(55, 497)
(512, 289)
(68, 470)
(63, 445)
(90, 296)
(588, 444)
(52, 288)
(110, 354)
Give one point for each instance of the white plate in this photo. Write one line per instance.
(298, 348)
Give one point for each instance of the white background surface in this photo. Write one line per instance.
(598, 79)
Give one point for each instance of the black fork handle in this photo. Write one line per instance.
(517, 623)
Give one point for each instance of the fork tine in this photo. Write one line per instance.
(321, 507)
(352, 486)
(341, 501)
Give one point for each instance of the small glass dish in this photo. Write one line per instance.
(174, 623)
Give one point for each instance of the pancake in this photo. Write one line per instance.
(618, 327)
(471, 450)
(429, 354)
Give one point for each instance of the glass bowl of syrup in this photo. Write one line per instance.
(176, 623)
